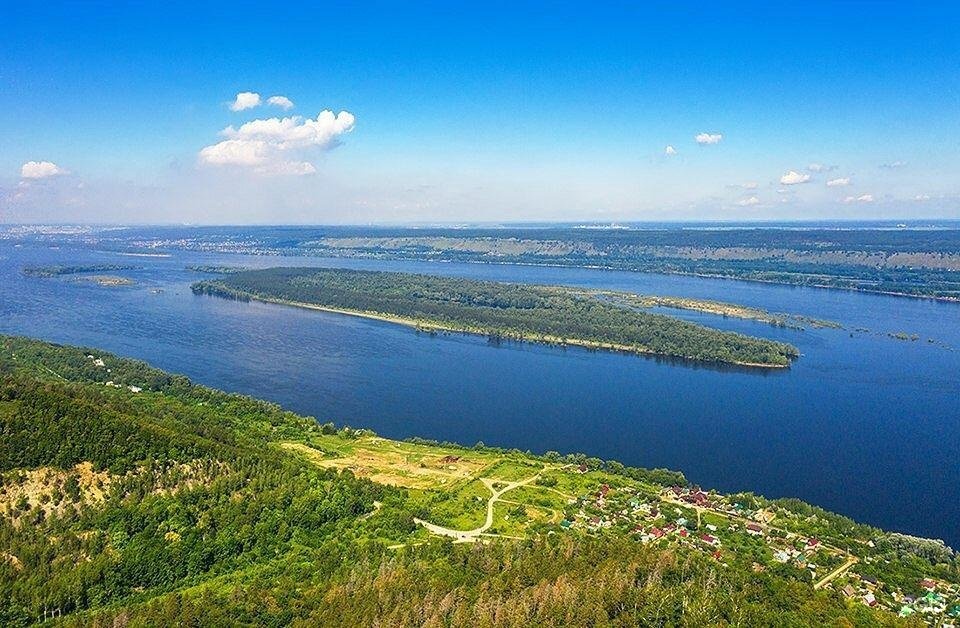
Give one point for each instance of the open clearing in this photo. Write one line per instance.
(400, 464)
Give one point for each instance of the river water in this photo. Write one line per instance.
(862, 424)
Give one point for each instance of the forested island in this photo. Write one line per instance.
(59, 270)
(550, 314)
(130, 496)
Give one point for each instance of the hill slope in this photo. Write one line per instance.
(133, 497)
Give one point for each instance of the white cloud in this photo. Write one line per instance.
(245, 100)
(922, 197)
(838, 182)
(273, 145)
(40, 170)
(669, 151)
(749, 185)
(281, 101)
(708, 138)
(864, 198)
(748, 202)
(793, 178)
(894, 165)
(820, 168)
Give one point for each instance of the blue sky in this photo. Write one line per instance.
(506, 111)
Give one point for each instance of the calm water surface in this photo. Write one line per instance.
(865, 425)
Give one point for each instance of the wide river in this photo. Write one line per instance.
(862, 424)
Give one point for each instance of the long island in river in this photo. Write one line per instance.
(551, 314)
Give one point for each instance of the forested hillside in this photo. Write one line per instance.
(134, 497)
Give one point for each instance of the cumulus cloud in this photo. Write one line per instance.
(793, 178)
(245, 100)
(669, 151)
(820, 168)
(838, 182)
(40, 170)
(748, 202)
(280, 101)
(894, 165)
(708, 138)
(276, 145)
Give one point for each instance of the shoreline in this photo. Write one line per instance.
(888, 293)
(545, 340)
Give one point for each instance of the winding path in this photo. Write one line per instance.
(465, 536)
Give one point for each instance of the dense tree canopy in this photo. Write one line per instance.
(501, 310)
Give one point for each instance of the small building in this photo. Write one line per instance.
(848, 591)
(928, 584)
(754, 529)
(709, 540)
(870, 600)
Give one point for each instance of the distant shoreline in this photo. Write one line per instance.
(667, 273)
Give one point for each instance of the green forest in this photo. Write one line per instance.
(134, 497)
(502, 311)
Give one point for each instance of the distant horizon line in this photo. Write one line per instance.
(587, 224)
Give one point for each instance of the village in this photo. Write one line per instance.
(730, 532)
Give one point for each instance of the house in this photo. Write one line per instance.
(656, 532)
(683, 532)
(870, 600)
(848, 591)
(709, 540)
(870, 580)
(711, 527)
(813, 543)
(449, 459)
(754, 529)
(582, 469)
(928, 584)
